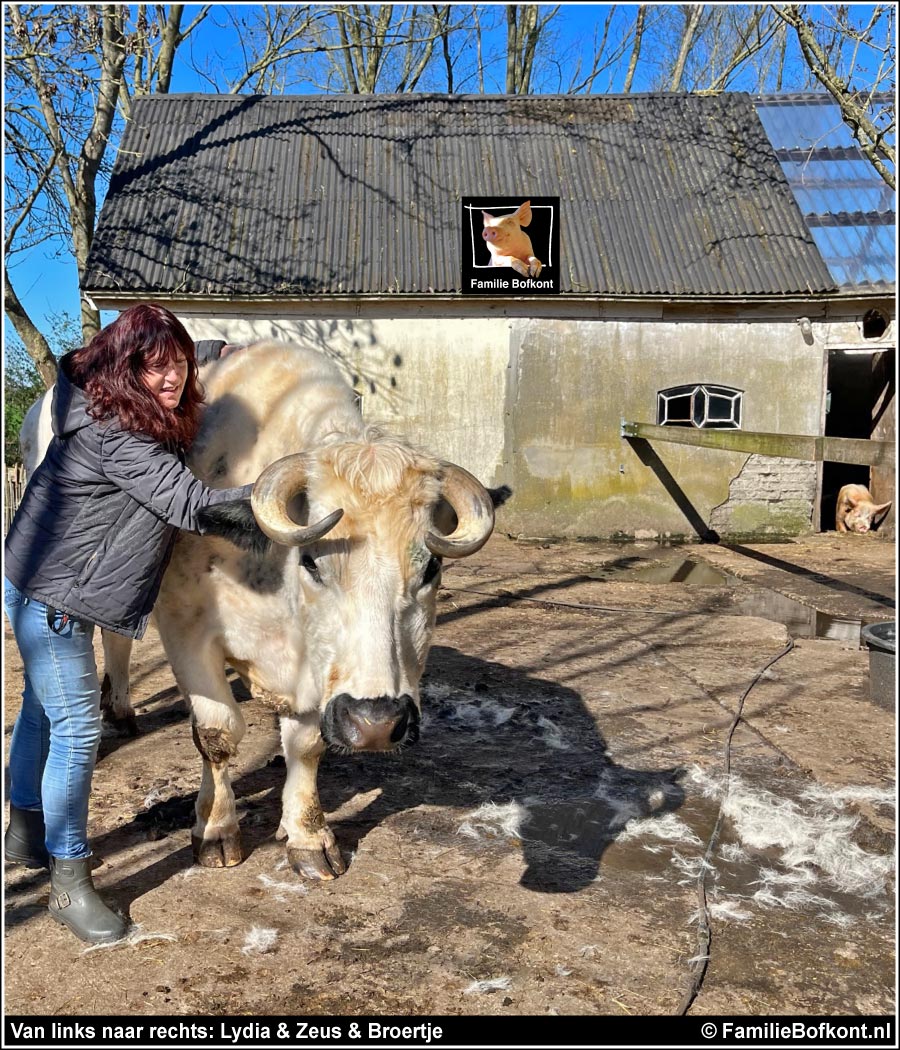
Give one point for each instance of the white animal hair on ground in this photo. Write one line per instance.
(135, 935)
(668, 827)
(813, 836)
(848, 795)
(624, 809)
(470, 709)
(192, 872)
(821, 838)
(496, 984)
(259, 940)
(281, 889)
(552, 735)
(495, 821)
(725, 909)
(732, 852)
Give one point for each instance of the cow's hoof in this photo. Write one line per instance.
(222, 852)
(119, 725)
(323, 864)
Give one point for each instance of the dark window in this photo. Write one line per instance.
(700, 405)
(874, 325)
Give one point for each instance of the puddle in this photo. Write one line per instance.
(802, 621)
(687, 571)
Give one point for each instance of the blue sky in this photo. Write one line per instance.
(45, 278)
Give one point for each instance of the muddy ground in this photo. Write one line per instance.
(537, 851)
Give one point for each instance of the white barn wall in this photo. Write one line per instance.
(537, 403)
(440, 383)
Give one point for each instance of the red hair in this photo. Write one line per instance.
(109, 370)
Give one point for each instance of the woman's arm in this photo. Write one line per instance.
(158, 480)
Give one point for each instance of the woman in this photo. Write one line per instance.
(88, 545)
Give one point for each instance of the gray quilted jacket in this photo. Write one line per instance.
(95, 529)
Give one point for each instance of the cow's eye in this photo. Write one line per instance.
(431, 570)
(308, 563)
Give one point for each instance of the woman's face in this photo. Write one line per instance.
(166, 380)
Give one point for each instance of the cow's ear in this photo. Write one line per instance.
(500, 495)
(234, 521)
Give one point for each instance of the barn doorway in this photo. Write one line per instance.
(859, 397)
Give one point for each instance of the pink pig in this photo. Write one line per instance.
(857, 511)
(508, 245)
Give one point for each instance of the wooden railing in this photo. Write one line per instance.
(790, 446)
(13, 487)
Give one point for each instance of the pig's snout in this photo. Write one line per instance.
(489, 234)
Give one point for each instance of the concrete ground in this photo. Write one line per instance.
(538, 851)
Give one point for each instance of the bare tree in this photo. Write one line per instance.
(749, 30)
(524, 28)
(692, 16)
(832, 49)
(611, 42)
(386, 47)
(262, 44)
(69, 68)
(635, 47)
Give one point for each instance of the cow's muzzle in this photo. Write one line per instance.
(384, 723)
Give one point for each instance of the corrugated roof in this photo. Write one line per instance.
(669, 195)
(849, 209)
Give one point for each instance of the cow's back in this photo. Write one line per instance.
(264, 401)
(36, 432)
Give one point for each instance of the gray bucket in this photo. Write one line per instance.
(881, 638)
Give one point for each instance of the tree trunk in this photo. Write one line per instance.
(690, 28)
(636, 49)
(37, 346)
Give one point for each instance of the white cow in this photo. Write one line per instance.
(328, 617)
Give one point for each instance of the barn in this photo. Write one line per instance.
(724, 263)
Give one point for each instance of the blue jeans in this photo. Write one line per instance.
(55, 739)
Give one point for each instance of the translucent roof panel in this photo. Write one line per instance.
(858, 256)
(849, 209)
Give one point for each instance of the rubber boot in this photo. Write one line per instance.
(75, 903)
(23, 842)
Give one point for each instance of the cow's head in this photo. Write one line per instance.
(372, 520)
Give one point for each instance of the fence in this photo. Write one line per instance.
(13, 487)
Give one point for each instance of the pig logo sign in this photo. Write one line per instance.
(510, 246)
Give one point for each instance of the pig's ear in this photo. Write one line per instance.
(523, 214)
(880, 512)
(487, 217)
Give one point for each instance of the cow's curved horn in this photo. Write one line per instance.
(279, 483)
(474, 511)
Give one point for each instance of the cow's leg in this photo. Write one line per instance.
(311, 847)
(115, 695)
(218, 727)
